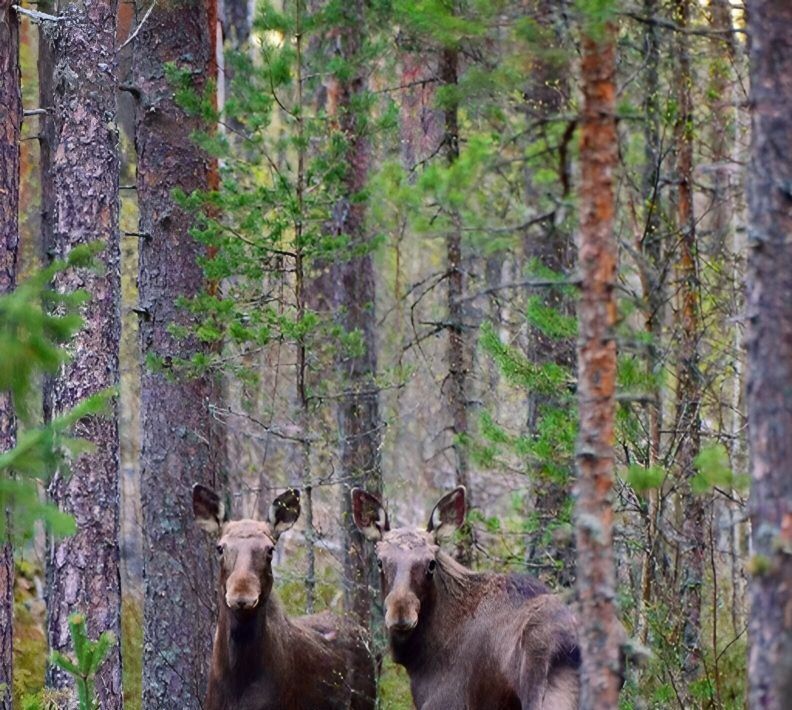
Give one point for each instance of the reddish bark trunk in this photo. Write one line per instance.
(83, 570)
(597, 377)
(10, 120)
(769, 339)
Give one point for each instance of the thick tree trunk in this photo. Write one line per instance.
(688, 405)
(83, 570)
(458, 349)
(10, 120)
(180, 444)
(360, 427)
(597, 377)
(769, 338)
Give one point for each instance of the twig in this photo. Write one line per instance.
(35, 112)
(137, 29)
(37, 16)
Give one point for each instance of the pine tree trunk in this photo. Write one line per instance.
(458, 349)
(769, 340)
(597, 377)
(653, 286)
(688, 405)
(10, 120)
(360, 426)
(551, 247)
(180, 444)
(83, 570)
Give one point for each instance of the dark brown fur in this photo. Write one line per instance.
(470, 641)
(262, 659)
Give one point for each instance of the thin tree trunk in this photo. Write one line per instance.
(769, 340)
(83, 570)
(693, 551)
(458, 349)
(180, 444)
(551, 248)
(597, 376)
(653, 291)
(360, 427)
(10, 122)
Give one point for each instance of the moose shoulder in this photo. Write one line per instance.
(262, 659)
(468, 640)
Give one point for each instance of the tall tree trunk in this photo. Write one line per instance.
(360, 427)
(10, 123)
(458, 352)
(653, 286)
(769, 339)
(180, 444)
(83, 570)
(551, 248)
(688, 405)
(597, 376)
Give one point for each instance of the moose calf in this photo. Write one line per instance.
(262, 659)
(469, 641)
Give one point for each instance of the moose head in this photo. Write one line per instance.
(407, 557)
(245, 547)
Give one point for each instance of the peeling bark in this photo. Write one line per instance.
(597, 255)
(769, 341)
(10, 121)
(83, 570)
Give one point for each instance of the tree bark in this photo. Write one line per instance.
(10, 123)
(458, 348)
(83, 570)
(552, 248)
(769, 341)
(597, 376)
(180, 444)
(688, 405)
(359, 423)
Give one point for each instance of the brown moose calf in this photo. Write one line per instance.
(469, 641)
(262, 659)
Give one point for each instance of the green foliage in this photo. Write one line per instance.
(88, 657)
(36, 322)
(714, 471)
(645, 478)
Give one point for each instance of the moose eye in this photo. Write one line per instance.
(219, 549)
(379, 564)
(431, 568)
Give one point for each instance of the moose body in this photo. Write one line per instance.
(469, 641)
(262, 659)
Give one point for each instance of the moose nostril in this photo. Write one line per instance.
(242, 603)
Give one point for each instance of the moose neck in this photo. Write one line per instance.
(252, 647)
(455, 594)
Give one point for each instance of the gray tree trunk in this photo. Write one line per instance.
(83, 570)
(180, 444)
(10, 120)
(769, 340)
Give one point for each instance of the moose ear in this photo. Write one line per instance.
(284, 511)
(369, 515)
(448, 514)
(209, 510)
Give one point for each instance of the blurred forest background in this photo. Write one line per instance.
(338, 246)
